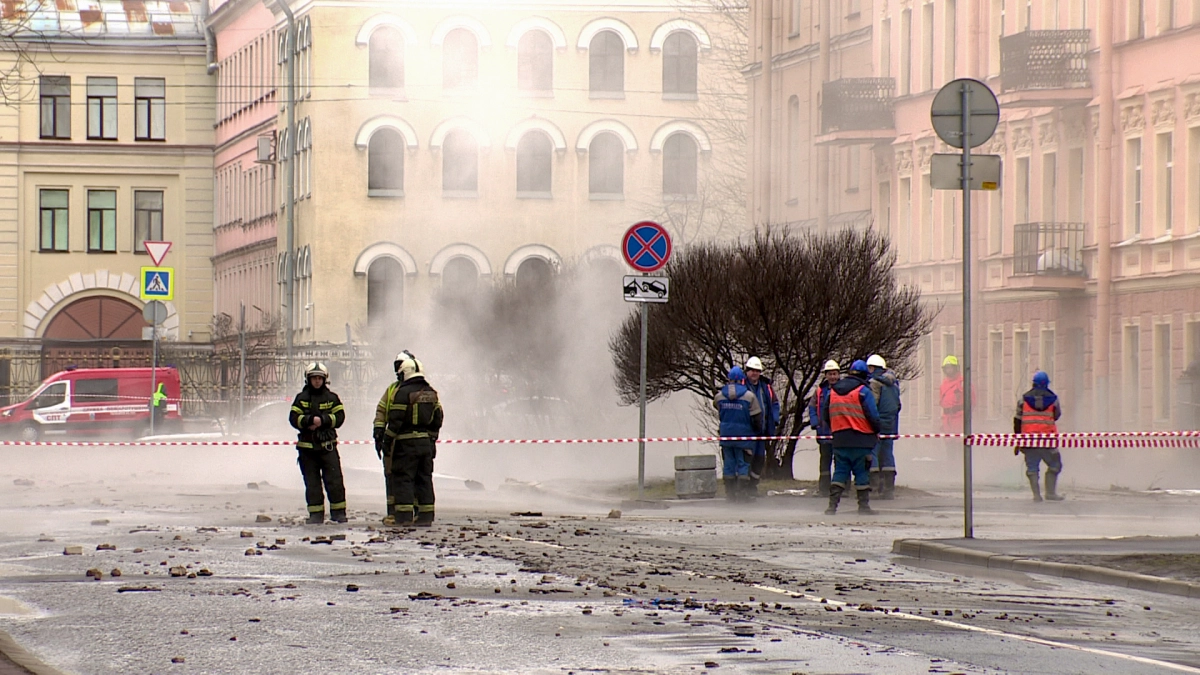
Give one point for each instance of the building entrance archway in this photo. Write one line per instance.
(96, 332)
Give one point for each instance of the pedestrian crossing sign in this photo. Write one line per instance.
(158, 283)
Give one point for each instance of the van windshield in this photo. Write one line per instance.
(52, 395)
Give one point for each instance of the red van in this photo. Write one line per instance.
(93, 402)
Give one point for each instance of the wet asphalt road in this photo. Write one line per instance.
(776, 587)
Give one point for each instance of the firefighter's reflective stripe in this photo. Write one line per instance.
(316, 508)
(846, 412)
(337, 506)
(1034, 421)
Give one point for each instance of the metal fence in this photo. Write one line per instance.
(858, 104)
(1049, 249)
(1045, 59)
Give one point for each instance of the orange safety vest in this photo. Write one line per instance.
(846, 412)
(1034, 421)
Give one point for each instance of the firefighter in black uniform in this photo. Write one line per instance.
(407, 421)
(317, 412)
(386, 456)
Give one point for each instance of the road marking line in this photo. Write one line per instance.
(994, 632)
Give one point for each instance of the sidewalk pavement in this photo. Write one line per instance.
(1046, 556)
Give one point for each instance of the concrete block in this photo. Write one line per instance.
(53, 291)
(76, 282)
(101, 278)
(695, 484)
(908, 547)
(1141, 582)
(1052, 568)
(1100, 575)
(1026, 565)
(695, 462)
(89, 280)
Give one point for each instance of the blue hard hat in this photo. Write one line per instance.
(1041, 379)
(736, 374)
(858, 366)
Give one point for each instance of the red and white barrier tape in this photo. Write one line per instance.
(1082, 439)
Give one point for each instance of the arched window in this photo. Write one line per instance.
(534, 159)
(385, 164)
(533, 274)
(460, 277)
(606, 165)
(606, 63)
(679, 165)
(460, 162)
(385, 291)
(460, 59)
(680, 52)
(535, 62)
(386, 59)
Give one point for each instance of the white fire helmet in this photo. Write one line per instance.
(754, 363)
(314, 369)
(831, 365)
(877, 361)
(410, 368)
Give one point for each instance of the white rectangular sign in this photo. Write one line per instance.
(646, 289)
(946, 172)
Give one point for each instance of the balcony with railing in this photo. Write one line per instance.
(858, 110)
(1048, 256)
(1045, 67)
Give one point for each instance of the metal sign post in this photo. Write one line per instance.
(646, 247)
(154, 313)
(960, 126)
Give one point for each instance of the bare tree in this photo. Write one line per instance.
(792, 300)
(18, 44)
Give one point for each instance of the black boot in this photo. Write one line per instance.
(338, 515)
(887, 484)
(750, 490)
(864, 501)
(316, 517)
(404, 516)
(823, 484)
(876, 481)
(835, 496)
(424, 519)
(1033, 485)
(1051, 487)
(731, 491)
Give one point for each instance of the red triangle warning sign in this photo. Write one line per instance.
(157, 250)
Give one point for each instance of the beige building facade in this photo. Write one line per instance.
(1085, 262)
(106, 143)
(439, 148)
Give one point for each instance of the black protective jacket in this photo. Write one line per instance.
(313, 403)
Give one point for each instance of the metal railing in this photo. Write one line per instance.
(858, 104)
(1048, 249)
(1045, 59)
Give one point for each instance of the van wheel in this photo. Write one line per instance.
(29, 432)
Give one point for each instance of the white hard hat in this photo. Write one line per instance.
(830, 365)
(401, 358)
(877, 361)
(409, 369)
(315, 369)
(754, 363)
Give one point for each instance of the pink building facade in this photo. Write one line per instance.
(245, 257)
(1086, 263)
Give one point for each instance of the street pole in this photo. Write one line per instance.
(242, 366)
(289, 156)
(968, 489)
(153, 371)
(642, 404)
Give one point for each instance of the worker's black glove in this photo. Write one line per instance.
(379, 442)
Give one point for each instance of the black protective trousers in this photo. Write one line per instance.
(322, 471)
(412, 476)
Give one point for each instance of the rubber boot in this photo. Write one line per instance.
(864, 502)
(747, 489)
(424, 519)
(1051, 487)
(731, 491)
(887, 483)
(823, 485)
(404, 516)
(835, 496)
(316, 518)
(877, 481)
(338, 515)
(1033, 485)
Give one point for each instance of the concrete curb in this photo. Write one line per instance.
(23, 658)
(934, 550)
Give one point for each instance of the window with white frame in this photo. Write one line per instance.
(386, 59)
(150, 108)
(1162, 372)
(606, 166)
(680, 54)
(460, 59)
(1132, 384)
(1022, 372)
(1164, 181)
(385, 164)
(606, 64)
(1047, 352)
(535, 62)
(102, 108)
(1133, 185)
(996, 401)
(460, 163)
(680, 165)
(534, 164)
